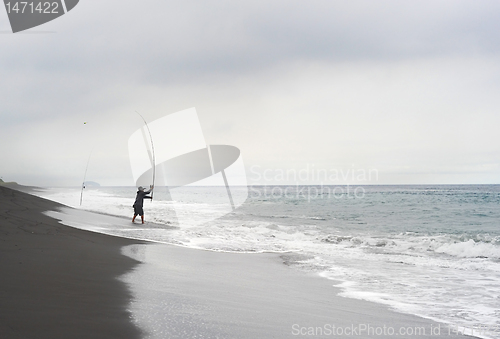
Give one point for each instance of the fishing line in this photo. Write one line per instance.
(153, 151)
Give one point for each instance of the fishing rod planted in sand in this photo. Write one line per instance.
(151, 156)
(84, 176)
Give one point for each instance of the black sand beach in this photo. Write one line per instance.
(57, 281)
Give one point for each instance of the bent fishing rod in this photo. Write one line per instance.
(152, 158)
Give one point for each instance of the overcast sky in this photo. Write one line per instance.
(407, 88)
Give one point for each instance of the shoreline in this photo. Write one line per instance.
(172, 291)
(210, 294)
(58, 281)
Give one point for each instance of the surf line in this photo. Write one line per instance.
(151, 156)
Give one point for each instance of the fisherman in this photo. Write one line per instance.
(139, 201)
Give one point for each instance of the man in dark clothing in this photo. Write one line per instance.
(139, 200)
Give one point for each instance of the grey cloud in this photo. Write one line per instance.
(232, 57)
(170, 41)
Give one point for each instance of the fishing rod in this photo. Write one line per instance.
(84, 176)
(153, 151)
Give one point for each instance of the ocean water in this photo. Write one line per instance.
(433, 251)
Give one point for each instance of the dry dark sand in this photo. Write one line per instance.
(57, 281)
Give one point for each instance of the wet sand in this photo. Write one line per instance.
(189, 293)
